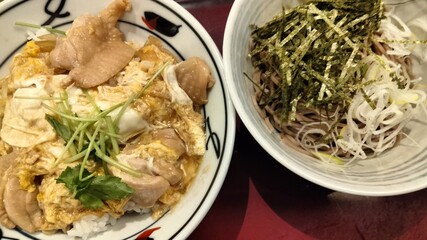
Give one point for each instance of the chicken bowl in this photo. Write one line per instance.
(109, 127)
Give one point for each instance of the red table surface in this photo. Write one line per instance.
(261, 199)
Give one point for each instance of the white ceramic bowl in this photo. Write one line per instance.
(400, 170)
(190, 39)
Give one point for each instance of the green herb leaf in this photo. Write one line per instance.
(63, 131)
(109, 188)
(93, 191)
(90, 201)
(70, 177)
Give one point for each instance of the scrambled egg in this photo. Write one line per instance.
(33, 85)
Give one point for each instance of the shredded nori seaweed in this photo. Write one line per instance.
(315, 49)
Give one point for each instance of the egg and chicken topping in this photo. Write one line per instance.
(91, 124)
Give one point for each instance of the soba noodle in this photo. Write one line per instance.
(364, 120)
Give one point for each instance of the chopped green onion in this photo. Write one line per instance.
(64, 115)
(111, 129)
(89, 149)
(96, 132)
(30, 25)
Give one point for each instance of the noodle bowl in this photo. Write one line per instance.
(402, 168)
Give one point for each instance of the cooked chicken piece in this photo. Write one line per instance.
(170, 139)
(82, 41)
(194, 76)
(148, 188)
(93, 50)
(111, 14)
(113, 57)
(6, 162)
(25, 212)
(165, 141)
(158, 167)
(167, 170)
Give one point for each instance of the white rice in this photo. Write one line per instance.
(89, 225)
(132, 207)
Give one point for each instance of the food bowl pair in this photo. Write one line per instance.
(402, 169)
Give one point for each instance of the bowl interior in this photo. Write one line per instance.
(189, 39)
(400, 170)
